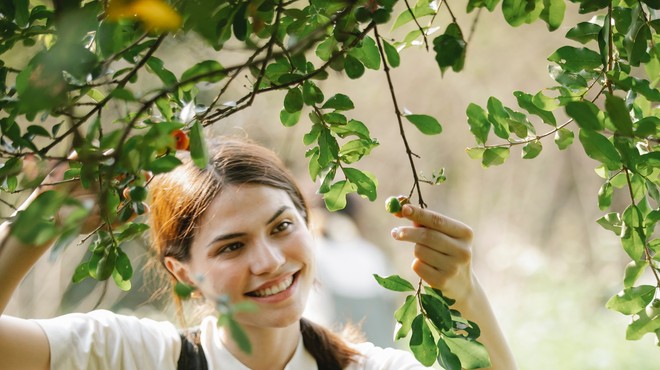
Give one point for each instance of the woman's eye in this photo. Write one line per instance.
(282, 226)
(230, 248)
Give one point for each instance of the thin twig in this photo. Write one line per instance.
(426, 41)
(402, 132)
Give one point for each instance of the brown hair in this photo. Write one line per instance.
(179, 199)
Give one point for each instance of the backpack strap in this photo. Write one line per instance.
(192, 355)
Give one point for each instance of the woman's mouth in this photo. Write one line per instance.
(275, 289)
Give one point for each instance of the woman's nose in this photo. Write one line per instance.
(268, 258)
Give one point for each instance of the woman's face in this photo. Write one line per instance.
(252, 244)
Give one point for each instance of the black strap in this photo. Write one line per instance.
(192, 355)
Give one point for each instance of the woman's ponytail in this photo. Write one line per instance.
(329, 349)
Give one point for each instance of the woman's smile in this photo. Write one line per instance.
(275, 291)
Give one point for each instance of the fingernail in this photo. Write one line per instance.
(407, 210)
(395, 232)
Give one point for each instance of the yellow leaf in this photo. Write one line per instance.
(155, 15)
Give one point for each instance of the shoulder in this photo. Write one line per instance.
(376, 358)
(103, 339)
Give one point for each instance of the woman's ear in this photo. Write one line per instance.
(179, 270)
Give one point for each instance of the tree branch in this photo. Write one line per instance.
(402, 132)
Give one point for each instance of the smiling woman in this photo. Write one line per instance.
(238, 230)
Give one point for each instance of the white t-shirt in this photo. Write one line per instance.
(104, 340)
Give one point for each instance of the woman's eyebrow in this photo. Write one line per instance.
(277, 214)
(220, 238)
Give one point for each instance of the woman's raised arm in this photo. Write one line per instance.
(443, 258)
(23, 345)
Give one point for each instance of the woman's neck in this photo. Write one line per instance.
(272, 348)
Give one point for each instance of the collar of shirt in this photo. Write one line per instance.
(219, 358)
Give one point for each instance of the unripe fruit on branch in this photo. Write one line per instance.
(394, 205)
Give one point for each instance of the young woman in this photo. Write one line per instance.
(239, 228)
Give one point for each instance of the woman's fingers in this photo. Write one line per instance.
(442, 249)
(437, 221)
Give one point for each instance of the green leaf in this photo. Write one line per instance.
(335, 198)
(35, 224)
(81, 273)
(123, 265)
(339, 102)
(122, 284)
(473, 355)
(611, 222)
(183, 290)
(568, 79)
(312, 95)
(367, 53)
(424, 123)
(437, 311)
(392, 54)
(479, 123)
(123, 94)
(576, 59)
(450, 49)
(198, 150)
(163, 164)
(405, 316)
(634, 270)
(553, 13)
(586, 114)
(564, 138)
(647, 126)
(157, 66)
(21, 12)
(289, 119)
(525, 101)
(353, 67)
(498, 117)
(328, 146)
(446, 358)
(532, 149)
(584, 32)
(208, 70)
(239, 335)
(633, 242)
(422, 344)
(642, 325)
(598, 147)
(605, 196)
(632, 300)
(494, 156)
(395, 283)
(366, 184)
(616, 108)
(293, 101)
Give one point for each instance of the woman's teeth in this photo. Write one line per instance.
(275, 289)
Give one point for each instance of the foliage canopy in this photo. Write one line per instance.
(78, 91)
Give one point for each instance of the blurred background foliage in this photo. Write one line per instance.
(543, 260)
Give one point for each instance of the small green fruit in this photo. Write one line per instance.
(381, 16)
(394, 205)
(362, 14)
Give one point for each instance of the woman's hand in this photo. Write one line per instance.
(442, 250)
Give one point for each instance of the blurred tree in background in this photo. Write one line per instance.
(110, 80)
